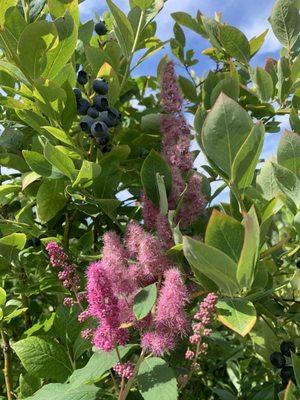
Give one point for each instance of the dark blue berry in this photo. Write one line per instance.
(277, 359)
(298, 263)
(100, 86)
(287, 347)
(100, 132)
(92, 112)
(100, 102)
(111, 117)
(82, 106)
(77, 93)
(82, 77)
(36, 242)
(100, 28)
(287, 373)
(106, 149)
(86, 123)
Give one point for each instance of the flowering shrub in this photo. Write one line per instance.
(130, 267)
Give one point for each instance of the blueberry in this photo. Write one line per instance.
(277, 359)
(287, 347)
(100, 133)
(106, 149)
(86, 123)
(298, 263)
(100, 86)
(36, 242)
(100, 102)
(77, 93)
(82, 77)
(100, 28)
(82, 106)
(287, 373)
(111, 117)
(92, 112)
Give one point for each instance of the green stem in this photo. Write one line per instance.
(7, 366)
(125, 391)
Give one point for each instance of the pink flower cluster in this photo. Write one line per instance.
(113, 282)
(124, 370)
(68, 275)
(176, 151)
(205, 315)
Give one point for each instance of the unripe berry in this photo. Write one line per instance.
(82, 77)
(100, 86)
(277, 359)
(100, 28)
(82, 106)
(287, 347)
(92, 112)
(100, 102)
(86, 123)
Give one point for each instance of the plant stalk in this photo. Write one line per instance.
(124, 393)
(7, 366)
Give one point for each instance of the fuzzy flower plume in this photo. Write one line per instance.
(193, 202)
(134, 233)
(150, 212)
(164, 232)
(170, 321)
(104, 306)
(201, 329)
(170, 93)
(67, 271)
(114, 262)
(151, 256)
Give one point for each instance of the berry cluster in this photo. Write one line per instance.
(97, 116)
(279, 361)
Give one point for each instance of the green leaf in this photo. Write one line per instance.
(43, 358)
(38, 163)
(156, 380)
(50, 199)
(213, 263)
(10, 160)
(248, 258)
(237, 314)
(225, 129)
(7, 190)
(98, 364)
(266, 181)
(142, 4)
(57, 57)
(144, 301)
(185, 19)
(245, 162)
(95, 57)
(295, 70)
(123, 29)
(163, 198)
(235, 43)
(226, 234)
(59, 160)
(296, 366)
(287, 182)
(188, 89)
(59, 134)
(88, 172)
(285, 21)
(155, 164)
(228, 86)
(36, 40)
(59, 391)
(288, 152)
(16, 240)
(263, 84)
(256, 42)
(2, 297)
(29, 384)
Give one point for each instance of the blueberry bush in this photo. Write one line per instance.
(123, 274)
